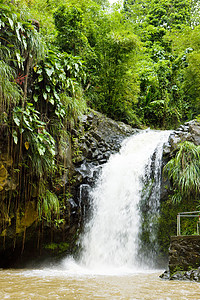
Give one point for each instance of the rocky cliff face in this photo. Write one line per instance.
(184, 251)
(190, 131)
(22, 236)
(96, 139)
(184, 258)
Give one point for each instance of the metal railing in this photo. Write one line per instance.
(191, 214)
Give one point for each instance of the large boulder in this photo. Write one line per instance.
(190, 131)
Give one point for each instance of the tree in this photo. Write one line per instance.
(161, 69)
(69, 25)
(106, 44)
(114, 86)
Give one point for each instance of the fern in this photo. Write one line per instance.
(10, 92)
(48, 204)
(184, 171)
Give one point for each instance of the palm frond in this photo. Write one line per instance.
(48, 204)
(184, 170)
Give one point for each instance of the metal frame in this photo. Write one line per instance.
(191, 214)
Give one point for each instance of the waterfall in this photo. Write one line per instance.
(111, 236)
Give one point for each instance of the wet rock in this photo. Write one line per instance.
(3, 177)
(26, 219)
(184, 253)
(195, 132)
(64, 149)
(95, 154)
(97, 136)
(101, 138)
(195, 275)
(166, 149)
(190, 131)
(84, 149)
(72, 203)
(165, 275)
(179, 275)
(191, 275)
(174, 140)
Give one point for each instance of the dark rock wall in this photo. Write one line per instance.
(184, 253)
(184, 259)
(190, 131)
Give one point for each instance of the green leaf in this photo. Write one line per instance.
(24, 42)
(15, 137)
(35, 98)
(52, 151)
(11, 23)
(17, 120)
(18, 35)
(48, 88)
(18, 58)
(27, 124)
(57, 66)
(45, 96)
(2, 24)
(49, 71)
(51, 100)
(39, 71)
(41, 149)
(76, 66)
(56, 95)
(40, 78)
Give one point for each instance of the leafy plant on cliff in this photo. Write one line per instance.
(184, 172)
(20, 43)
(57, 90)
(48, 204)
(10, 92)
(34, 147)
(35, 138)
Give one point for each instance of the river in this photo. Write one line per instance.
(56, 283)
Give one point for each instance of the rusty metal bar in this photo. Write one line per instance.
(192, 214)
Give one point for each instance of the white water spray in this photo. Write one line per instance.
(110, 239)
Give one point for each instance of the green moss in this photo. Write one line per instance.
(57, 248)
(177, 269)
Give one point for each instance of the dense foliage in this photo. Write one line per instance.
(140, 61)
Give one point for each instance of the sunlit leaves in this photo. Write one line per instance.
(59, 75)
(33, 129)
(184, 171)
(48, 204)
(18, 32)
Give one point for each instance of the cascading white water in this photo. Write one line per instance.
(110, 239)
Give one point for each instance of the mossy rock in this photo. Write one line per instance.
(3, 177)
(57, 248)
(27, 218)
